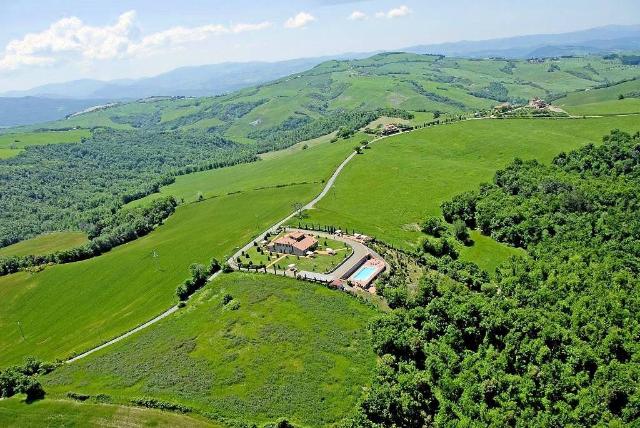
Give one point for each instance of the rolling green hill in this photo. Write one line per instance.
(394, 80)
(623, 98)
(278, 349)
(68, 413)
(72, 307)
(387, 191)
(333, 96)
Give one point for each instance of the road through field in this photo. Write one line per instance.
(329, 184)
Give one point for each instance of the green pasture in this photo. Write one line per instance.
(15, 413)
(70, 308)
(14, 143)
(388, 190)
(279, 348)
(604, 101)
(290, 167)
(407, 81)
(45, 244)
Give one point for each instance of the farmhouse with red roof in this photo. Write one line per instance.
(296, 243)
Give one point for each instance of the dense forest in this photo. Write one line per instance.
(80, 185)
(553, 339)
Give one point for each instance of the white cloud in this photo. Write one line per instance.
(70, 38)
(357, 15)
(300, 20)
(395, 12)
(177, 36)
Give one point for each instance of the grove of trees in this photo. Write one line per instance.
(76, 186)
(553, 338)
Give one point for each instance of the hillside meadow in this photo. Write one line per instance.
(292, 166)
(604, 101)
(424, 83)
(388, 190)
(278, 348)
(12, 144)
(45, 244)
(67, 309)
(15, 413)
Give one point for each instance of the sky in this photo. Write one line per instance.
(46, 41)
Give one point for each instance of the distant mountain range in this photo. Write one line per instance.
(203, 80)
(601, 40)
(54, 101)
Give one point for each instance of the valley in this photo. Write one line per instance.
(249, 348)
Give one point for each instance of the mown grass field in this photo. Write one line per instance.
(45, 244)
(70, 308)
(293, 166)
(15, 413)
(280, 348)
(12, 144)
(604, 101)
(388, 191)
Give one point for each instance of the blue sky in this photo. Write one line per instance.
(47, 41)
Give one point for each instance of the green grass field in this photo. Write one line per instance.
(12, 144)
(287, 167)
(9, 153)
(387, 191)
(45, 244)
(70, 308)
(290, 349)
(14, 413)
(603, 101)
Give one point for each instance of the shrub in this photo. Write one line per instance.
(214, 266)
(440, 247)
(78, 396)
(434, 226)
(153, 403)
(461, 232)
(226, 298)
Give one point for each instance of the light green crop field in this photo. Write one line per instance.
(280, 348)
(45, 244)
(12, 144)
(9, 153)
(287, 167)
(66, 413)
(604, 101)
(70, 308)
(389, 190)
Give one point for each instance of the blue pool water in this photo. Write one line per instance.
(364, 273)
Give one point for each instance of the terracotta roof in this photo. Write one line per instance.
(297, 240)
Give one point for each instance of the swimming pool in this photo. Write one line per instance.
(364, 274)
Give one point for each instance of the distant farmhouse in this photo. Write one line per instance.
(296, 243)
(538, 103)
(390, 129)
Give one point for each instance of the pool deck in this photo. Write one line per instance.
(377, 266)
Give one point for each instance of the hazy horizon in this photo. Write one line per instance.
(46, 42)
